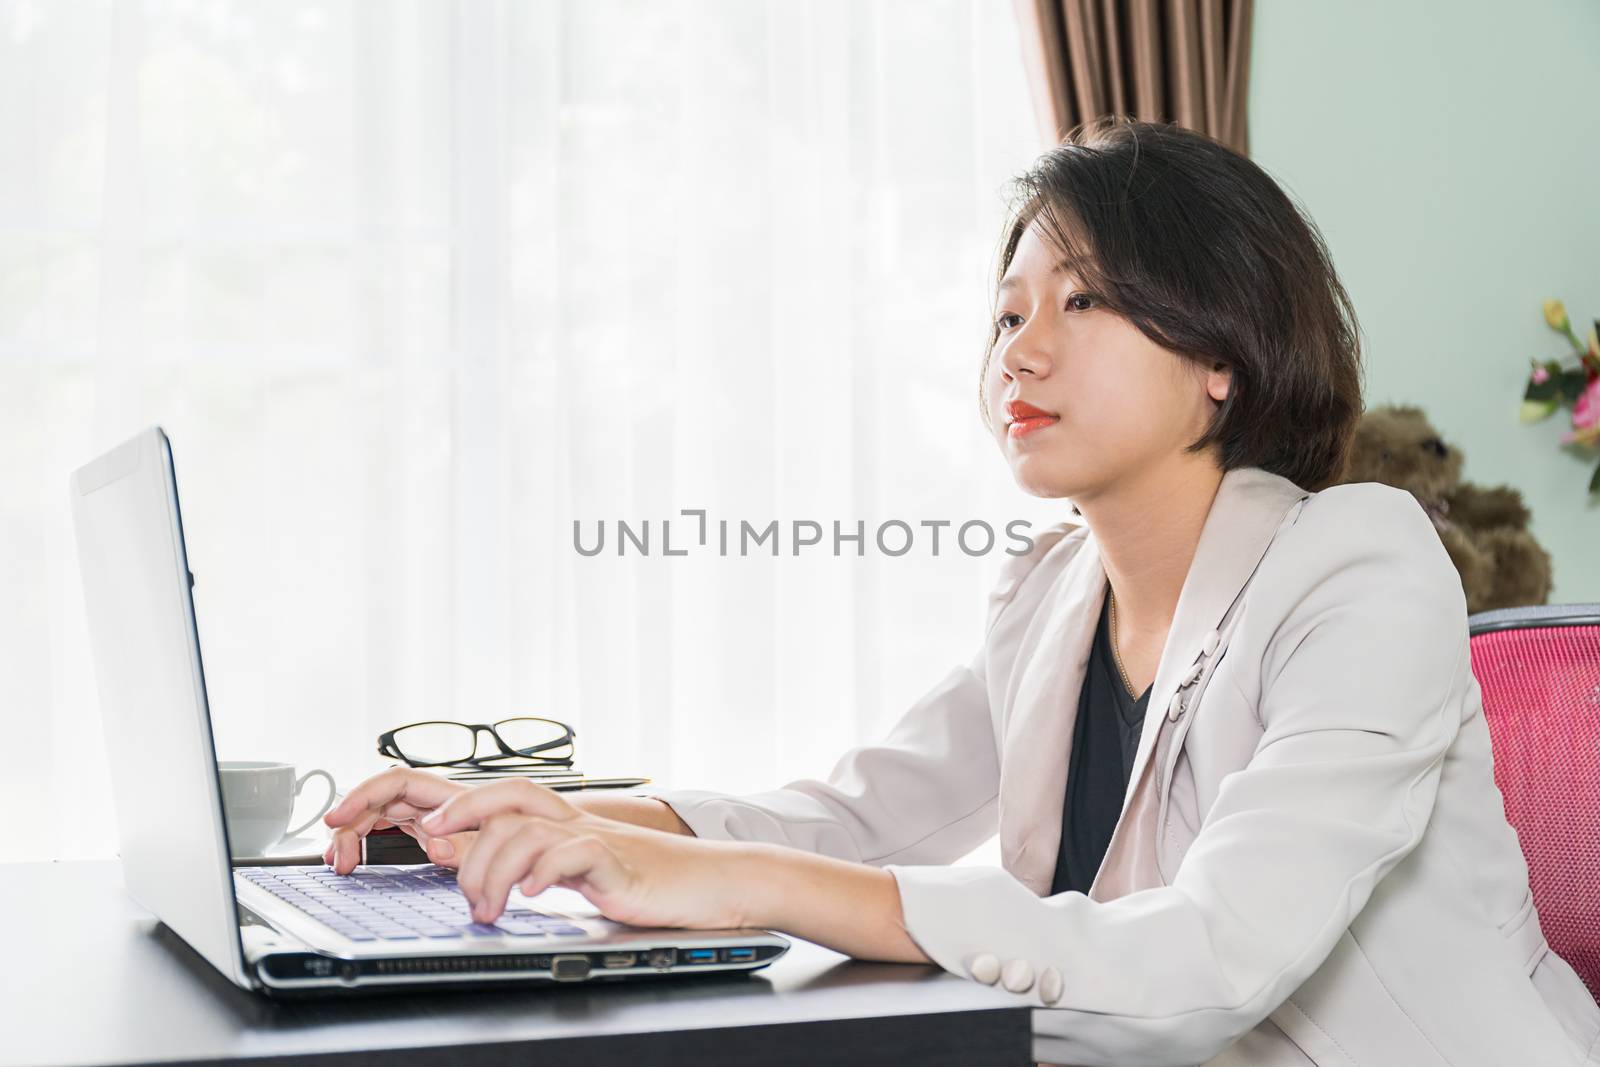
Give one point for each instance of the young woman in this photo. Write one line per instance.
(1223, 717)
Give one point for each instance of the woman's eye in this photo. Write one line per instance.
(1075, 302)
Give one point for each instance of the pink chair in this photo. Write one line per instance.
(1539, 669)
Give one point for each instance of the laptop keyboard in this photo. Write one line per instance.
(390, 904)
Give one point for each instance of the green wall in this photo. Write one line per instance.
(1450, 153)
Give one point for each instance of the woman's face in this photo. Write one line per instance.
(1115, 403)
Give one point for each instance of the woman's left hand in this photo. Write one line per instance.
(530, 837)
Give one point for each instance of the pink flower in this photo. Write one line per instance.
(1585, 416)
(1540, 375)
(1586, 409)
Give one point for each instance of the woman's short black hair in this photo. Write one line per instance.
(1201, 250)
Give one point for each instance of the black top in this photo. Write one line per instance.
(1104, 739)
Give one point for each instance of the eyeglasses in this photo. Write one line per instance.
(532, 740)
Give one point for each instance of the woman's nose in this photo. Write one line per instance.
(1020, 357)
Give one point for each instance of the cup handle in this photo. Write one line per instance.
(326, 804)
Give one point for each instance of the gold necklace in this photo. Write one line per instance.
(1116, 655)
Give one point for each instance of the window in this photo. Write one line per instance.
(415, 286)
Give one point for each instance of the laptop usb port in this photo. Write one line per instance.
(619, 959)
(700, 955)
(739, 955)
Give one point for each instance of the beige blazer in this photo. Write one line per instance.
(1312, 865)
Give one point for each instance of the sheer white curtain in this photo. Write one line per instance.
(414, 286)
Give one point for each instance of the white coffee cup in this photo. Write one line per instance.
(258, 797)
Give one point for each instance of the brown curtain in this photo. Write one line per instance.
(1183, 61)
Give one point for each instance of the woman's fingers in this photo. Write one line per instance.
(449, 851)
(402, 811)
(396, 797)
(583, 859)
(472, 807)
(346, 847)
(492, 836)
(444, 851)
(398, 785)
(511, 862)
(468, 829)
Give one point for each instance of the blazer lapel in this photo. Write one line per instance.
(1244, 516)
(1054, 657)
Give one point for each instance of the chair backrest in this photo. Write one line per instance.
(1539, 670)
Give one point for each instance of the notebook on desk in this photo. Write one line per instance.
(286, 928)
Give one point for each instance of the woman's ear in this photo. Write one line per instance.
(1219, 379)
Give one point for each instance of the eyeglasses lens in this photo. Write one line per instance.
(537, 737)
(435, 742)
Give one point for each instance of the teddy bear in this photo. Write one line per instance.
(1485, 530)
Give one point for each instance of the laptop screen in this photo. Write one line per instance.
(146, 651)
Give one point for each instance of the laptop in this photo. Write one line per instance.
(287, 930)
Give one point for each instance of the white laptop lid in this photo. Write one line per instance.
(146, 651)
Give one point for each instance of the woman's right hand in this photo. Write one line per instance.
(397, 797)
(401, 796)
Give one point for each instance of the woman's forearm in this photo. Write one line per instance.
(639, 811)
(849, 907)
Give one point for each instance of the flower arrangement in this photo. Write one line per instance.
(1554, 382)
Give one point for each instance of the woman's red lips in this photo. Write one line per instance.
(1023, 418)
(1017, 410)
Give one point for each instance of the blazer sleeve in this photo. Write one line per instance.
(927, 793)
(1362, 686)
